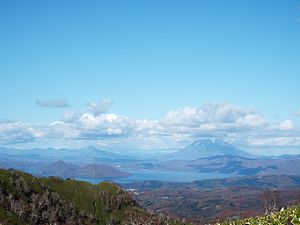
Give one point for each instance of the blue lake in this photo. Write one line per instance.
(143, 175)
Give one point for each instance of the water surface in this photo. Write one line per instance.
(144, 175)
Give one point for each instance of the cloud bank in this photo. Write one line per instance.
(14, 132)
(223, 120)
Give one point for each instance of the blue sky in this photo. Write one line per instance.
(148, 58)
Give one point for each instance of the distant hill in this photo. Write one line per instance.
(68, 170)
(206, 148)
(59, 169)
(236, 165)
(100, 171)
(89, 154)
(268, 181)
(25, 199)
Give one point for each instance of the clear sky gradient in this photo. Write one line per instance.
(149, 57)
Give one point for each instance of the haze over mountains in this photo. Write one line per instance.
(88, 154)
(200, 149)
(202, 156)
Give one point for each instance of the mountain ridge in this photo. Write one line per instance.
(67, 170)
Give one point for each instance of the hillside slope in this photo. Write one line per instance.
(290, 216)
(25, 199)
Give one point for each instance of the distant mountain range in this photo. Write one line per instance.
(204, 156)
(207, 148)
(89, 162)
(85, 155)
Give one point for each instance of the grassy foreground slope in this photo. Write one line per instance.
(25, 199)
(289, 216)
(8, 218)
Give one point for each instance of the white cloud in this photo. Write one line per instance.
(89, 126)
(297, 113)
(13, 132)
(99, 107)
(104, 121)
(60, 130)
(177, 127)
(70, 116)
(53, 103)
(276, 142)
(217, 116)
(286, 125)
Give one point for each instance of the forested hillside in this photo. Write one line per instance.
(25, 199)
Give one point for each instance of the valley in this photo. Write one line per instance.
(217, 200)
